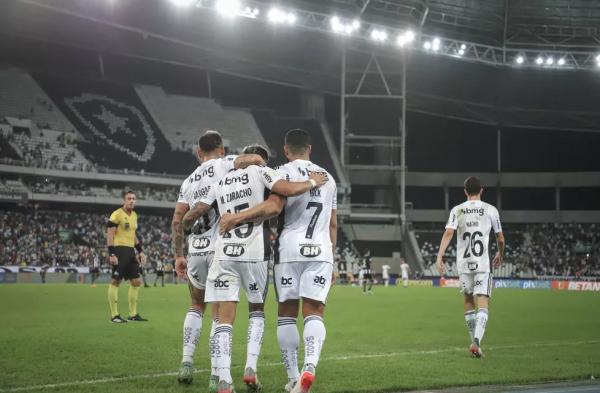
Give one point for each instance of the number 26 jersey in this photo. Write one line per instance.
(473, 221)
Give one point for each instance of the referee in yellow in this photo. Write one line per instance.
(122, 243)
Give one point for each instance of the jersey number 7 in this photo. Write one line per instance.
(315, 217)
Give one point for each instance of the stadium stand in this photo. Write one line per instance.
(117, 130)
(50, 149)
(533, 250)
(182, 117)
(22, 98)
(60, 238)
(274, 128)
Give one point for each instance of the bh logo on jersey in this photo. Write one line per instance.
(221, 283)
(310, 251)
(472, 266)
(233, 250)
(319, 281)
(201, 243)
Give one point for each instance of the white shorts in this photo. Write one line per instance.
(225, 278)
(197, 269)
(405, 277)
(294, 280)
(476, 283)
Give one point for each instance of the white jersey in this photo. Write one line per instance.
(160, 265)
(473, 221)
(404, 268)
(239, 190)
(304, 223)
(195, 187)
(385, 271)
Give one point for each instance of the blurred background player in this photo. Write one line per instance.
(201, 241)
(143, 275)
(405, 270)
(367, 279)
(385, 274)
(160, 273)
(95, 269)
(241, 259)
(303, 259)
(43, 272)
(122, 244)
(474, 220)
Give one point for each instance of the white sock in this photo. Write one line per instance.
(482, 318)
(470, 318)
(256, 329)
(314, 338)
(223, 338)
(289, 339)
(212, 348)
(192, 326)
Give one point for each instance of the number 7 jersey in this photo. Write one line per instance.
(303, 225)
(473, 221)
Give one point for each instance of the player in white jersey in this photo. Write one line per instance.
(474, 220)
(405, 269)
(385, 274)
(214, 165)
(241, 259)
(160, 273)
(303, 258)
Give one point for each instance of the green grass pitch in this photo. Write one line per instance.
(396, 340)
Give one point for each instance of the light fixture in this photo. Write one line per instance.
(561, 61)
(379, 35)
(276, 15)
(539, 61)
(519, 59)
(427, 45)
(405, 38)
(435, 44)
(182, 3)
(550, 61)
(228, 8)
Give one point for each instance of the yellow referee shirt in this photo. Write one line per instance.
(126, 226)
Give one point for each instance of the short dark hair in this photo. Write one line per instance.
(210, 141)
(473, 185)
(125, 192)
(257, 149)
(297, 140)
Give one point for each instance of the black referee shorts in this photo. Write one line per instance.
(128, 267)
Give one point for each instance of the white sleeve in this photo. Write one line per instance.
(334, 197)
(267, 175)
(181, 198)
(229, 162)
(495, 219)
(452, 220)
(210, 197)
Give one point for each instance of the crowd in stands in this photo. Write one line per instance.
(59, 238)
(65, 187)
(534, 250)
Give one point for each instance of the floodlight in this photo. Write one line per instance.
(427, 45)
(561, 61)
(539, 61)
(463, 46)
(550, 60)
(435, 45)
(228, 8)
(520, 60)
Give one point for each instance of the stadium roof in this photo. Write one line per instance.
(309, 57)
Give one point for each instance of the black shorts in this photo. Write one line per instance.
(95, 270)
(160, 273)
(128, 267)
(367, 275)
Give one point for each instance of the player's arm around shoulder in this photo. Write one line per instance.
(263, 211)
(245, 160)
(289, 188)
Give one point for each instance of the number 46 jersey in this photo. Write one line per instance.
(473, 221)
(304, 224)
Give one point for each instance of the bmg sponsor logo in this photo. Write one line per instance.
(233, 250)
(310, 251)
(480, 211)
(200, 243)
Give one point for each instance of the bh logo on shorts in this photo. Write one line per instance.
(319, 281)
(221, 284)
(201, 243)
(310, 251)
(233, 250)
(286, 281)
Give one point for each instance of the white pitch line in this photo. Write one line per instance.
(272, 364)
